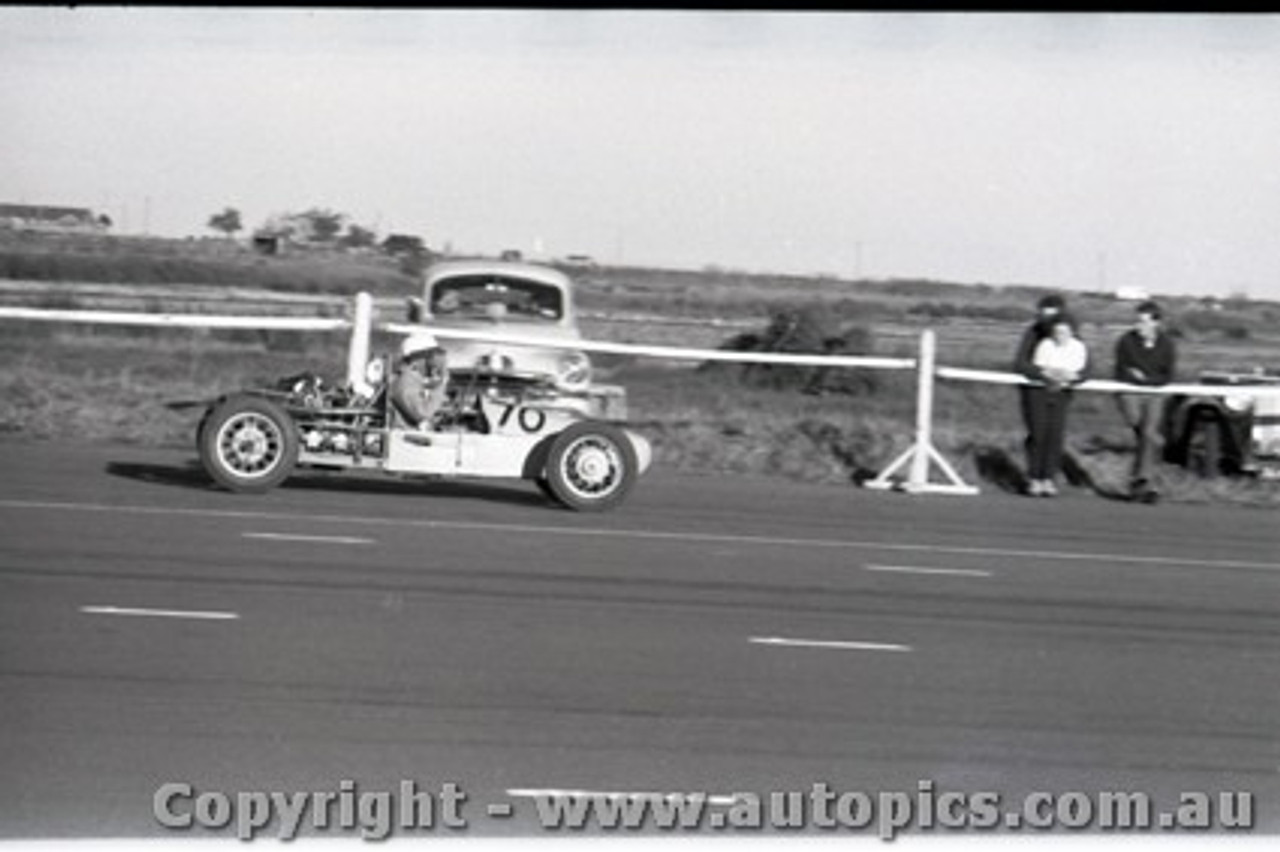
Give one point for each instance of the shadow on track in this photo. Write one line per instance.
(193, 476)
(997, 467)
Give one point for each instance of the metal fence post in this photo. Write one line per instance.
(358, 349)
(922, 451)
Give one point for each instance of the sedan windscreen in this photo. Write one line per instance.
(495, 297)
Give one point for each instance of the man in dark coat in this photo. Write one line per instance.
(1145, 355)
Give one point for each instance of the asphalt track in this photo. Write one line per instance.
(714, 634)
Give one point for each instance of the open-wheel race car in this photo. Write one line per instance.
(251, 441)
(492, 421)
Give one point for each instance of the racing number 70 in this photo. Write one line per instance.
(530, 419)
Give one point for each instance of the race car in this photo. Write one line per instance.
(492, 424)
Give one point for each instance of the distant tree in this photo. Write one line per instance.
(279, 227)
(396, 244)
(309, 226)
(105, 221)
(358, 237)
(323, 226)
(799, 329)
(228, 221)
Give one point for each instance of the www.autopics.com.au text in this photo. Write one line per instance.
(377, 814)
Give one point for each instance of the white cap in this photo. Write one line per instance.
(417, 342)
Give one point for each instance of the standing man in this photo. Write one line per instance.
(1145, 355)
(1048, 309)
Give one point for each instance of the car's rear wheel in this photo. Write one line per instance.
(591, 467)
(248, 444)
(204, 421)
(545, 487)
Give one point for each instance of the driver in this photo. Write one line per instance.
(420, 386)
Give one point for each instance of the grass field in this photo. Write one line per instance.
(110, 384)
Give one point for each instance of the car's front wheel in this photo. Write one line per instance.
(248, 444)
(591, 467)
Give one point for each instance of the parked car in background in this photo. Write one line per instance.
(520, 299)
(1234, 433)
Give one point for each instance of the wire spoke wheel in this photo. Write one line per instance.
(248, 444)
(591, 466)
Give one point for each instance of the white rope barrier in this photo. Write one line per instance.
(673, 353)
(268, 323)
(993, 377)
(161, 320)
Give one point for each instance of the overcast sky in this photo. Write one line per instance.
(1068, 150)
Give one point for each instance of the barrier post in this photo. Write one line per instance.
(922, 451)
(358, 349)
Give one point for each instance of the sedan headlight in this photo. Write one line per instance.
(574, 371)
(496, 362)
(1238, 402)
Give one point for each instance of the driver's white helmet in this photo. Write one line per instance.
(416, 343)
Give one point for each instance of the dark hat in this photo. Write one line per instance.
(1052, 301)
(1151, 308)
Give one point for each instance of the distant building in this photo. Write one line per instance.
(580, 261)
(43, 217)
(1132, 294)
(265, 242)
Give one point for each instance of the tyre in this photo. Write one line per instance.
(545, 487)
(204, 420)
(1204, 446)
(591, 467)
(248, 444)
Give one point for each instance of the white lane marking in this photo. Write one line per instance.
(207, 615)
(827, 643)
(317, 539)
(905, 569)
(648, 535)
(535, 793)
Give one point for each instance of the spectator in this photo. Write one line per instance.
(1047, 309)
(1059, 362)
(1145, 355)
